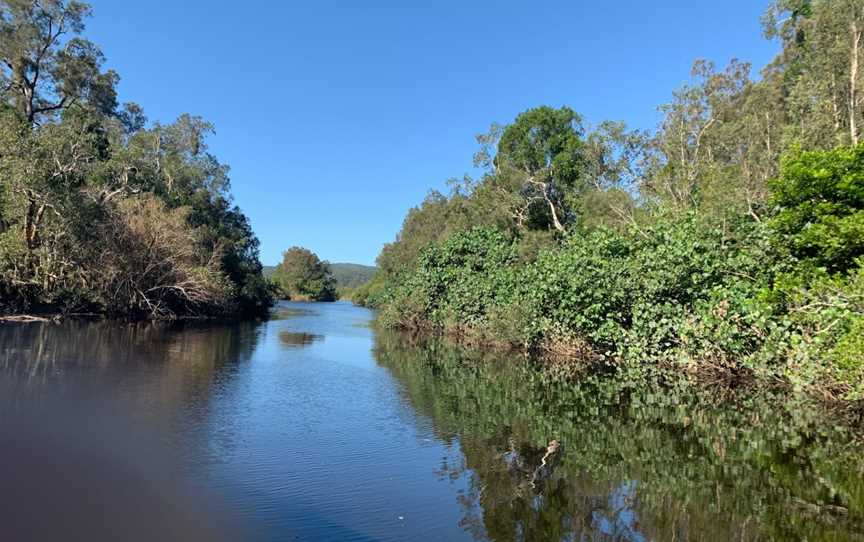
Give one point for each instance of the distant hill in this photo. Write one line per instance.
(347, 275)
(351, 275)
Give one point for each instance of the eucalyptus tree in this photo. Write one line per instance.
(539, 167)
(821, 58)
(48, 69)
(47, 66)
(615, 164)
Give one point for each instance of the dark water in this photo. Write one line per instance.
(312, 427)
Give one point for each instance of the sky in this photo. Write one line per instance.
(336, 117)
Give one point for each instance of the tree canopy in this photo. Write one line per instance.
(78, 172)
(303, 276)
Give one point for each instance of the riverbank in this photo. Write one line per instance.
(576, 362)
(25, 318)
(56, 316)
(727, 241)
(685, 294)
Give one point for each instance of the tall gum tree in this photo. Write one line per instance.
(46, 66)
(46, 69)
(822, 48)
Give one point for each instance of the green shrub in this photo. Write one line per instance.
(455, 282)
(819, 198)
(580, 287)
(829, 313)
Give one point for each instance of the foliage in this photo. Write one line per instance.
(819, 198)
(686, 290)
(692, 291)
(150, 265)
(42, 72)
(816, 75)
(455, 283)
(75, 169)
(303, 276)
(539, 163)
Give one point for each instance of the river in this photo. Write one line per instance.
(313, 426)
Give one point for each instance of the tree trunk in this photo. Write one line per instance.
(31, 236)
(555, 221)
(32, 222)
(25, 91)
(31, 225)
(835, 106)
(853, 82)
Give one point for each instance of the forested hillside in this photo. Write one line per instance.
(351, 275)
(727, 241)
(347, 275)
(101, 210)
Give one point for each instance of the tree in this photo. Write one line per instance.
(46, 66)
(45, 172)
(821, 56)
(303, 276)
(46, 69)
(615, 161)
(539, 166)
(74, 166)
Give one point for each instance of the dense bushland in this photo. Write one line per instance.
(729, 240)
(681, 292)
(99, 209)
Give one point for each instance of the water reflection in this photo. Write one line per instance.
(42, 350)
(71, 399)
(295, 339)
(637, 463)
(413, 440)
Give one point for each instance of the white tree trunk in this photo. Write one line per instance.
(853, 83)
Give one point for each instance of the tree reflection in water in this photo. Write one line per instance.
(180, 360)
(638, 462)
(634, 462)
(295, 339)
(71, 395)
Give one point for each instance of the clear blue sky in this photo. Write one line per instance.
(337, 117)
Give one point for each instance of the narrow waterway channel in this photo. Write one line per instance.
(312, 426)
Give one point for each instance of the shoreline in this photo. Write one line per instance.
(58, 317)
(559, 360)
